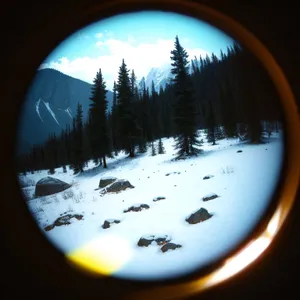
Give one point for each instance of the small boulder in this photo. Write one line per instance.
(210, 196)
(137, 207)
(64, 220)
(162, 240)
(105, 181)
(118, 186)
(170, 246)
(199, 216)
(145, 241)
(49, 185)
(158, 198)
(107, 223)
(208, 177)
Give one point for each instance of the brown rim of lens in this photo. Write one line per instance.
(261, 239)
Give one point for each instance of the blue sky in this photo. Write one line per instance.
(143, 39)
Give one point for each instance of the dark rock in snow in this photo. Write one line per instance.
(109, 222)
(239, 151)
(118, 186)
(172, 173)
(208, 177)
(49, 185)
(199, 216)
(210, 196)
(146, 240)
(158, 198)
(64, 220)
(105, 181)
(170, 246)
(162, 240)
(136, 208)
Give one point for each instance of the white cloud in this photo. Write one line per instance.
(99, 35)
(141, 58)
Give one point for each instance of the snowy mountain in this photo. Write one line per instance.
(50, 105)
(160, 76)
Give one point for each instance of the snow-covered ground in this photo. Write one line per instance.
(243, 181)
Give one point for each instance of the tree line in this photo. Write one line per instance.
(229, 97)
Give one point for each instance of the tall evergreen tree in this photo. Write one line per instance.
(184, 109)
(77, 146)
(127, 120)
(228, 110)
(161, 148)
(100, 141)
(211, 125)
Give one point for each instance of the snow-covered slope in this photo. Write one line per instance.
(243, 181)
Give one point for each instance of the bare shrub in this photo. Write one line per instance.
(227, 170)
(26, 182)
(67, 194)
(78, 197)
(45, 200)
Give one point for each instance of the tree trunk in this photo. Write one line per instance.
(104, 162)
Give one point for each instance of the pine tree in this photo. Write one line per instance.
(115, 121)
(79, 162)
(161, 149)
(184, 109)
(228, 111)
(153, 151)
(211, 125)
(127, 120)
(100, 141)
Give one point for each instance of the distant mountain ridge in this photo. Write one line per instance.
(50, 105)
(52, 99)
(159, 75)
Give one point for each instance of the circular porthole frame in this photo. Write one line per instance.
(259, 241)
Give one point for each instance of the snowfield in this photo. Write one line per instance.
(243, 182)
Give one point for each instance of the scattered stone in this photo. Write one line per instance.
(105, 181)
(172, 173)
(64, 220)
(49, 185)
(49, 227)
(158, 198)
(162, 240)
(208, 176)
(107, 223)
(170, 246)
(199, 216)
(210, 196)
(118, 186)
(239, 151)
(147, 240)
(137, 208)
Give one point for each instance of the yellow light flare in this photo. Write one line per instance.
(102, 256)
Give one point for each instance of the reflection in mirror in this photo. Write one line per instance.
(149, 145)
